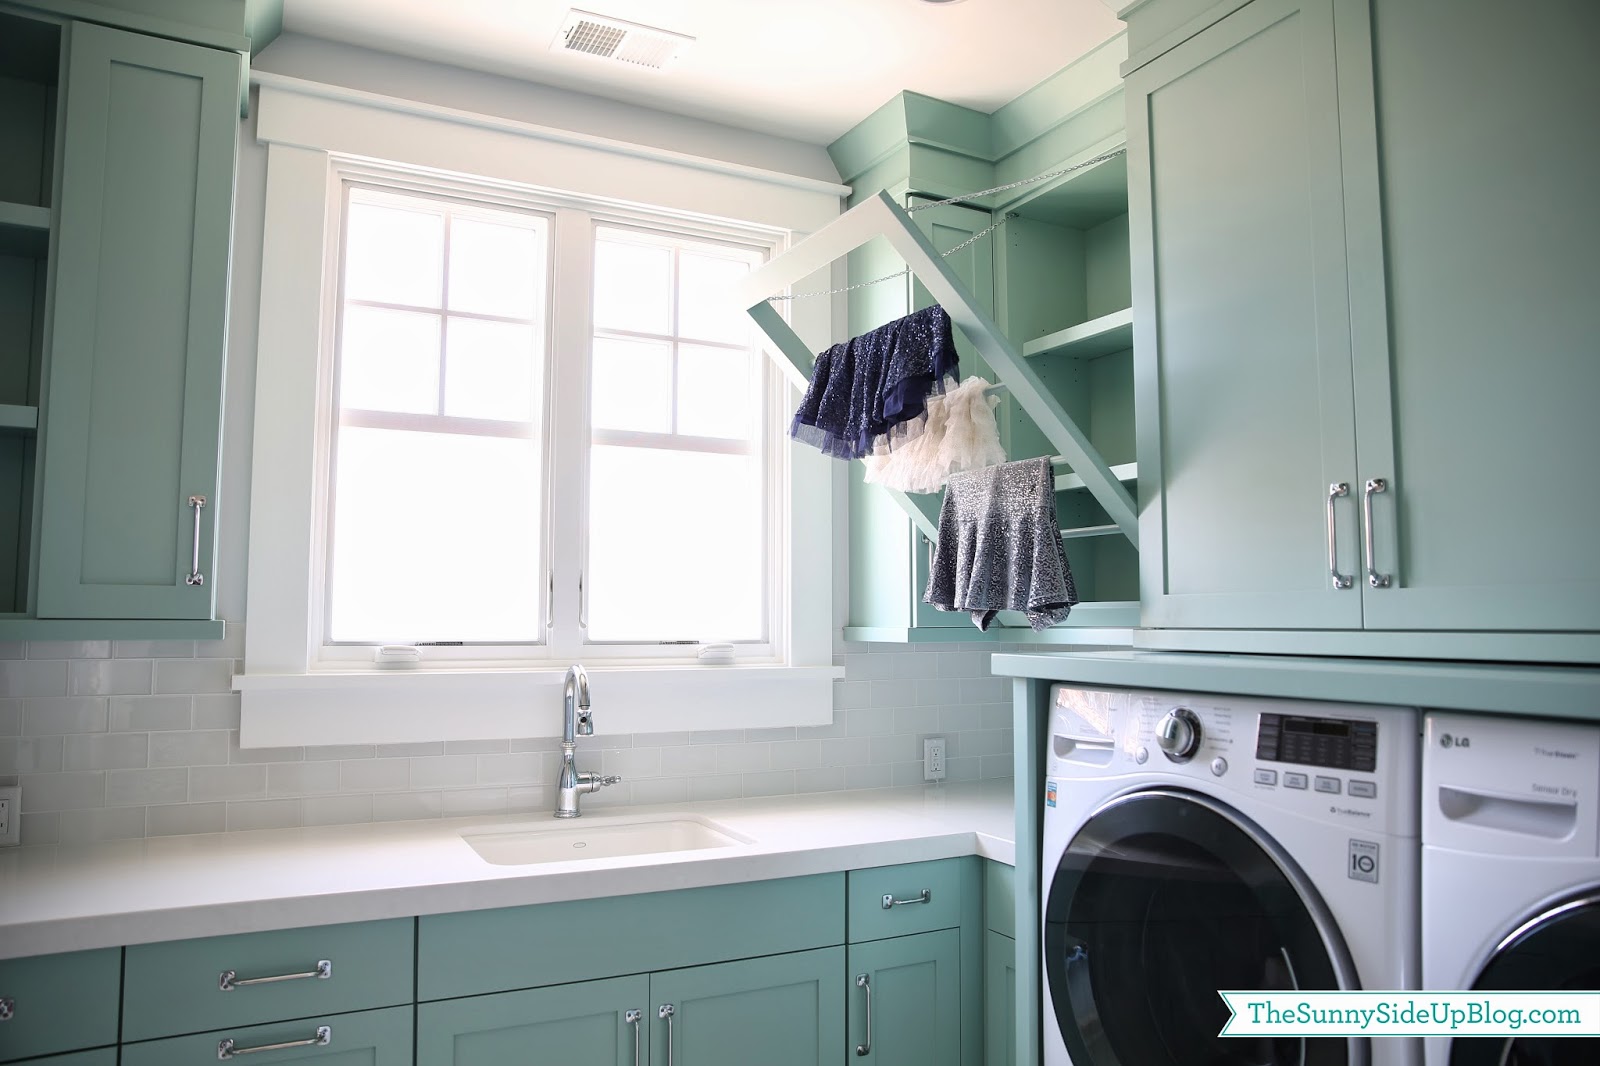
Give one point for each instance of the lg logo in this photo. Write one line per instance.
(1448, 741)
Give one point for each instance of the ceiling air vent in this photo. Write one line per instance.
(604, 37)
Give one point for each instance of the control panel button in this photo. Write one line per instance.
(1329, 785)
(1142, 756)
(1266, 777)
(1293, 780)
(1364, 789)
(1219, 766)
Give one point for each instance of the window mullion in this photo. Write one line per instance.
(568, 505)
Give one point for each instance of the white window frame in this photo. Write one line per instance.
(574, 222)
(291, 693)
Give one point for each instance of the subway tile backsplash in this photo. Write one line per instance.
(117, 740)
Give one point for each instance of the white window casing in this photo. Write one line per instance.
(294, 692)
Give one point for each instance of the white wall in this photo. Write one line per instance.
(490, 94)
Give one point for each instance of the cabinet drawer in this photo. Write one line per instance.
(907, 910)
(177, 987)
(555, 943)
(366, 1038)
(59, 1002)
(1000, 899)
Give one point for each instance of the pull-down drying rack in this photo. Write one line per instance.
(880, 216)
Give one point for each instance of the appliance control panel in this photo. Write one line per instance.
(1335, 743)
(1346, 763)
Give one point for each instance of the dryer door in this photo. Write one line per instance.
(1162, 898)
(1559, 951)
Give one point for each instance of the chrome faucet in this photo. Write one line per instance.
(577, 721)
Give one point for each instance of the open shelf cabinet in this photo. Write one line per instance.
(1065, 296)
(30, 52)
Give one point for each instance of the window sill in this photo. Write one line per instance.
(396, 706)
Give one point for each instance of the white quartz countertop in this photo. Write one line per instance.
(71, 898)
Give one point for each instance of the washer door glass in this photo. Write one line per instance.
(1557, 952)
(1163, 898)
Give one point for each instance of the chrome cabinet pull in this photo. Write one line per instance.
(1375, 579)
(226, 1049)
(228, 980)
(665, 1013)
(8, 1007)
(864, 983)
(1340, 581)
(633, 1018)
(195, 576)
(889, 902)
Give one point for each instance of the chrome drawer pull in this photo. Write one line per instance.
(195, 577)
(8, 1007)
(228, 980)
(889, 902)
(665, 1013)
(1340, 581)
(226, 1049)
(864, 983)
(1375, 579)
(633, 1017)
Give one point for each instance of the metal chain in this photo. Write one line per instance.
(970, 240)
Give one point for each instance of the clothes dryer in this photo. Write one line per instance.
(1197, 842)
(1510, 872)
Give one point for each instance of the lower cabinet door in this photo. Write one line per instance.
(782, 1010)
(999, 1000)
(363, 1038)
(106, 1056)
(593, 1023)
(905, 1001)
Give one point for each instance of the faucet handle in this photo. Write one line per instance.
(610, 779)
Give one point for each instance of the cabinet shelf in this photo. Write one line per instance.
(1123, 472)
(1079, 532)
(17, 419)
(1087, 340)
(24, 229)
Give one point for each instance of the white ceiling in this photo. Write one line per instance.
(806, 69)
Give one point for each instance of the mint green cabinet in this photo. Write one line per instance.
(1372, 275)
(59, 1002)
(782, 1010)
(215, 982)
(1475, 391)
(905, 1000)
(1243, 374)
(367, 1038)
(597, 1023)
(475, 952)
(132, 412)
(105, 1056)
(888, 555)
(999, 1000)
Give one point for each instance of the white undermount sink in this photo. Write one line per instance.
(524, 844)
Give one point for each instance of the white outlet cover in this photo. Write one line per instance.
(10, 809)
(933, 759)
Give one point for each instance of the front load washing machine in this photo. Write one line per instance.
(1196, 843)
(1510, 872)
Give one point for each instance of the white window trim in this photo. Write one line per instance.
(288, 696)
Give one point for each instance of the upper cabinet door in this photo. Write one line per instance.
(1491, 244)
(133, 413)
(1241, 325)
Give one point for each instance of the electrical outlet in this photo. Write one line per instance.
(10, 809)
(933, 759)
